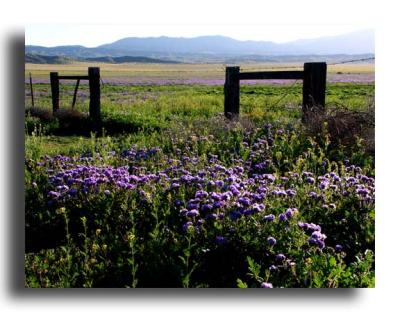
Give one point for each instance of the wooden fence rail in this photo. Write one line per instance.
(272, 75)
(94, 87)
(314, 85)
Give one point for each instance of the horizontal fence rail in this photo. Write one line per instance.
(272, 75)
(74, 77)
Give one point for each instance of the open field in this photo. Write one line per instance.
(168, 193)
(208, 74)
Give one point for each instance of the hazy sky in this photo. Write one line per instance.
(94, 35)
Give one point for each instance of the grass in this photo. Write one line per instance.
(199, 100)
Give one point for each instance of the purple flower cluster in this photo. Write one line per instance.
(140, 154)
(316, 238)
(91, 178)
(211, 198)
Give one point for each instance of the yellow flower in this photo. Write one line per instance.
(95, 247)
(131, 237)
(61, 210)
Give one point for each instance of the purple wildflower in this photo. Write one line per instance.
(218, 204)
(211, 216)
(175, 185)
(234, 215)
(323, 185)
(220, 240)
(206, 207)
(192, 213)
(187, 225)
(280, 257)
(193, 205)
(271, 241)
(310, 180)
(54, 194)
(269, 218)
(290, 212)
(244, 201)
(178, 203)
(234, 190)
(183, 212)
(266, 285)
(72, 192)
(200, 194)
(216, 196)
(338, 248)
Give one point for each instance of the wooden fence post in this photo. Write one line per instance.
(94, 87)
(55, 91)
(314, 86)
(232, 93)
(32, 96)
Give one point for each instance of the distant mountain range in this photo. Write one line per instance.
(60, 59)
(170, 49)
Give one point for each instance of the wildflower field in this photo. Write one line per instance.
(165, 192)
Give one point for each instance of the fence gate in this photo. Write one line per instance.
(314, 85)
(94, 88)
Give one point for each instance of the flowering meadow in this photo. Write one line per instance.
(224, 204)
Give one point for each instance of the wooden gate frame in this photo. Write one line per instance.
(314, 85)
(94, 89)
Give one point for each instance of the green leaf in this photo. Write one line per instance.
(241, 284)
(254, 268)
(182, 259)
(332, 261)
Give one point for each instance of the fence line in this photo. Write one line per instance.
(314, 86)
(300, 66)
(352, 61)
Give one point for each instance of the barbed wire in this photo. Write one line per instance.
(352, 61)
(291, 87)
(300, 66)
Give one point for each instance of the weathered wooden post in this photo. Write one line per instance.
(94, 87)
(231, 89)
(314, 86)
(32, 96)
(55, 91)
